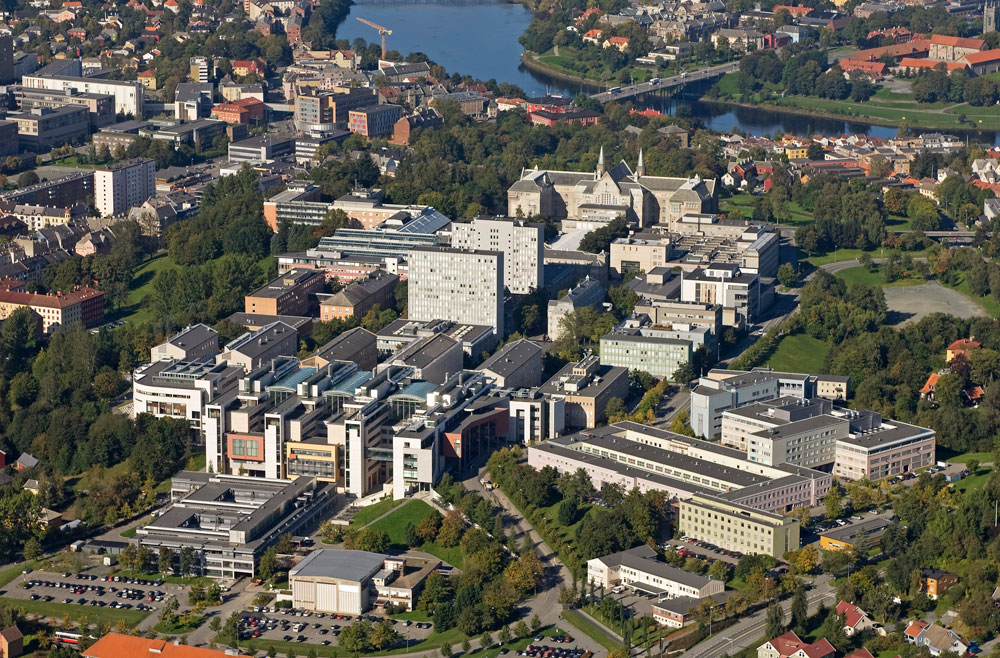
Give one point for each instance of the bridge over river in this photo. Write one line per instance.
(661, 84)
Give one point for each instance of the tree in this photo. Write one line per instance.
(521, 629)
(27, 178)
(775, 623)
(800, 610)
(815, 151)
(268, 565)
(568, 511)
(833, 503)
(787, 275)
(615, 409)
(165, 561)
(410, 536)
(504, 636)
(536, 623)
(32, 549)
(684, 373)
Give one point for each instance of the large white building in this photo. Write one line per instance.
(180, 389)
(124, 185)
(520, 242)
(128, 95)
(462, 286)
(639, 569)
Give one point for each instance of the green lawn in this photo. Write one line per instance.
(840, 255)
(744, 203)
(10, 573)
(976, 481)
(94, 614)
(590, 629)
(368, 514)
(799, 353)
(861, 275)
(987, 303)
(966, 457)
(413, 512)
(394, 524)
(128, 534)
(142, 285)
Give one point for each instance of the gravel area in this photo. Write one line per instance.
(911, 303)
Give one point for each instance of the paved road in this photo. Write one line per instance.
(546, 605)
(631, 91)
(750, 630)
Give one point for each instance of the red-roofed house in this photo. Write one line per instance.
(797, 11)
(117, 645)
(973, 394)
(875, 70)
(243, 67)
(983, 62)
(927, 390)
(861, 653)
(85, 305)
(790, 646)
(593, 36)
(245, 111)
(855, 619)
(896, 35)
(961, 346)
(621, 43)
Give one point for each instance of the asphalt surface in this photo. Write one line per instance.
(630, 91)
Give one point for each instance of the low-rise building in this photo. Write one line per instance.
(515, 365)
(293, 293)
(253, 349)
(790, 646)
(116, 645)
(262, 148)
(639, 569)
(230, 521)
(937, 639)
(375, 120)
(359, 297)
(85, 305)
(856, 620)
(935, 582)
(41, 128)
(194, 343)
(588, 293)
(847, 537)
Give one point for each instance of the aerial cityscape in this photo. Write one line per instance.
(482, 329)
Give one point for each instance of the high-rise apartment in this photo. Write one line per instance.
(124, 185)
(521, 243)
(461, 286)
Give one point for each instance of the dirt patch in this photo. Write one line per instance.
(911, 303)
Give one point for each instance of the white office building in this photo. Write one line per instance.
(520, 242)
(124, 185)
(128, 95)
(462, 286)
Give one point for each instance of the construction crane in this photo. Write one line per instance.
(383, 31)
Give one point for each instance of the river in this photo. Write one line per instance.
(479, 38)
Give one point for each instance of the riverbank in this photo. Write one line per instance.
(530, 62)
(959, 116)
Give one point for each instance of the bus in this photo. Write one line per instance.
(65, 637)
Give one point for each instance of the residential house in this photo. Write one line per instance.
(856, 620)
(11, 642)
(936, 638)
(790, 646)
(934, 582)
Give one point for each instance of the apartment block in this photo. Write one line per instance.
(737, 527)
(293, 293)
(262, 148)
(85, 306)
(59, 192)
(521, 243)
(375, 120)
(321, 111)
(124, 185)
(587, 387)
(462, 286)
(41, 128)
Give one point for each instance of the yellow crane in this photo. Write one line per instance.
(383, 31)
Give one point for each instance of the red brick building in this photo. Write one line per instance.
(85, 305)
(244, 111)
(548, 118)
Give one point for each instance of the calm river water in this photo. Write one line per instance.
(479, 38)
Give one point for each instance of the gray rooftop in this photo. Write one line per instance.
(511, 357)
(643, 558)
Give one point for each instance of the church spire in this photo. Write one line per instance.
(640, 167)
(600, 164)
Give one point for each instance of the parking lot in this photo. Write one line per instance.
(689, 547)
(89, 590)
(288, 625)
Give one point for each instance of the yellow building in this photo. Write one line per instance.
(796, 152)
(737, 527)
(148, 79)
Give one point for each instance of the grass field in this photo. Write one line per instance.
(799, 353)
(861, 275)
(368, 514)
(840, 255)
(976, 481)
(589, 628)
(142, 285)
(744, 203)
(966, 457)
(94, 615)
(597, 73)
(413, 512)
(987, 303)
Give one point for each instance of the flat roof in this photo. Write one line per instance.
(847, 533)
(355, 566)
(511, 357)
(890, 432)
